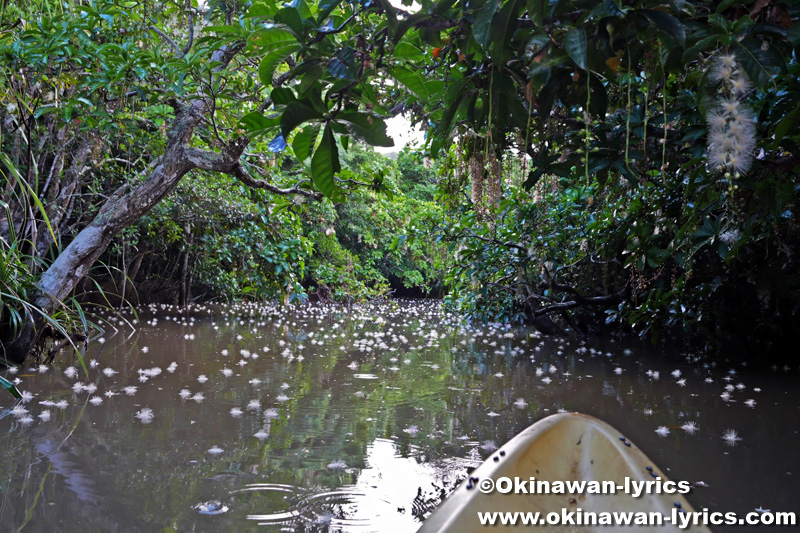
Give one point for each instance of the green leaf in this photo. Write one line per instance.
(503, 26)
(270, 39)
(290, 17)
(366, 128)
(255, 121)
(260, 10)
(413, 81)
(725, 4)
(397, 242)
(482, 26)
(325, 8)
(304, 141)
(325, 163)
(667, 24)
(295, 114)
(276, 43)
(407, 24)
(757, 62)
(620, 165)
(343, 65)
(575, 45)
(391, 17)
(10, 387)
(271, 61)
(282, 96)
(405, 50)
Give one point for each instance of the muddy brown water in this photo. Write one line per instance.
(358, 419)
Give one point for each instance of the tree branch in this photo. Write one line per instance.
(167, 38)
(190, 41)
(227, 162)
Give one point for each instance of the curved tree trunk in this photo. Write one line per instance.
(126, 206)
(120, 210)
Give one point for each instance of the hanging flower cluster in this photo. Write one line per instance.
(732, 127)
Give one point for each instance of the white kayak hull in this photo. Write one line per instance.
(563, 447)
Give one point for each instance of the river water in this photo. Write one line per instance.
(326, 418)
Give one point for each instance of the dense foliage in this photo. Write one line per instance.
(632, 163)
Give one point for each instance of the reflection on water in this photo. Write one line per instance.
(362, 419)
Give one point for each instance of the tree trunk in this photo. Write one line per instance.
(184, 287)
(120, 210)
(125, 207)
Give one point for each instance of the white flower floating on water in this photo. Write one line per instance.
(662, 431)
(202, 378)
(261, 434)
(172, 366)
(271, 413)
(198, 397)
(145, 349)
(77, 387)
(647, 411)
(215, 450)
(227, 372)
(91, 388)
(676, 374)
(44, 416)
(25, 420)
(26, 396)
(690, 428)
(19, 411)
(520, 403)
(236, 412)
(185, 393)
(681, 382)
(254, 405)
(61, 404)
(337, 465)
(411, 430)
(145, 415)
(43, 368)
(130, 391)
(547, 381)
(750, 403)
(726, 396)
(489, 446)
(96, 400)
(109, 372)
(731, 437)
(618, 370)
(282, 398)
(709, 380)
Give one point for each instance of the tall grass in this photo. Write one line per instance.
(18, 272)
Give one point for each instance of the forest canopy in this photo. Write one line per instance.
(587, 165)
